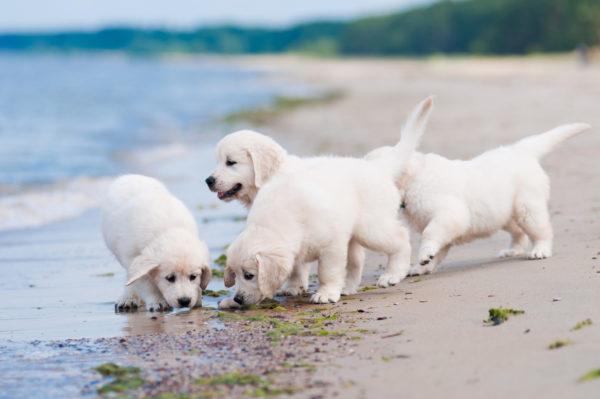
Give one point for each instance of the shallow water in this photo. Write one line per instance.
(57, 279)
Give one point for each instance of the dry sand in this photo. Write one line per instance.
(444, 349)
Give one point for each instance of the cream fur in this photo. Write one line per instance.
(154, 236)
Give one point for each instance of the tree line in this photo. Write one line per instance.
(445, 27)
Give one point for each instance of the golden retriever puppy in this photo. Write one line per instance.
(155, 238)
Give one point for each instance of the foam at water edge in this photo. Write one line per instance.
(37, 207)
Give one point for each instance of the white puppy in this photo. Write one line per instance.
(155, 238)
(453, 201)
(315, 210)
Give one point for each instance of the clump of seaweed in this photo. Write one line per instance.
(221, 260)
(500, 315)
(368, 288)
(591, 375)
(124, 378)
(258, 386)
(582, 324)
(218, 273)
(559, 344)
(215, 294)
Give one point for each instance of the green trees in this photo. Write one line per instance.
(446, 26)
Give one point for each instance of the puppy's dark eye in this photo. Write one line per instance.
(229, 162)
(248, 276)
(193, 277)
(171, 278)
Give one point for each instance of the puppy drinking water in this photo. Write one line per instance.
(155, 238)
(453, 202)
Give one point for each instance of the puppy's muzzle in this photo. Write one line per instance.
(239, 299)
(210, 182)
(184, 302)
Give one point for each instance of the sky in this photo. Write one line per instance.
(48, 15)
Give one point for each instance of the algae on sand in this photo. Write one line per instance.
(582, 324)
(591, 375)
(559, 343)
(500, 315)
(124, 378)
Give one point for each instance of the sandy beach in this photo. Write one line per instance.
(424, 338)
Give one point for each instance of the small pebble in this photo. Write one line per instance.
(382, 318)
(556, 299)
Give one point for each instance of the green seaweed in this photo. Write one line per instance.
(124, 378)
(218, 273)
(500, 315)
(368, 288)
(215, 294)
(221, 260)
(582, 324)
(591, 375)
(107, 274)
(260, 387)
(559, 344)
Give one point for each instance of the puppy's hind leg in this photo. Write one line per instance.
(518, 241)
(332, 270)
(534, 219)
(356, 261)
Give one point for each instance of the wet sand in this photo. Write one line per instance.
(423, 338)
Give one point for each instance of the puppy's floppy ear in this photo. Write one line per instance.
(272, 273)
(141, 266)
(266, 161)
(228, 277)
(205, 277)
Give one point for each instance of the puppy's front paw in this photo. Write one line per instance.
(229, 303)
(540, 251)
(350, 289)
(157, 305)
(126, 303)
(387, 279)
(416, 270)
(427, 253)
(324, 295)
(510, 253)
(293, 290)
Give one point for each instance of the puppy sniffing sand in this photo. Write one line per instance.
(155, 238)
(453, 202)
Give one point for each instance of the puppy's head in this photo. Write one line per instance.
(245, 161)
(257, 265)
(178, 264)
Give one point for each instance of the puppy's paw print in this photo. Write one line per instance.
(387, 279)
(325, 296)
(510, 253)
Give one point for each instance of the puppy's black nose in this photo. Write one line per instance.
(210, 181)
(238, 299)
(184, 302)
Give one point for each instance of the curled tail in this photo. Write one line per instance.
(541, 144)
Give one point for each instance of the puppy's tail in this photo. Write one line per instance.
(412, 132)
(541, 144)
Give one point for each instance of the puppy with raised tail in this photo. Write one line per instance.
(316, 210)
(155, 238)
(453, 201)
